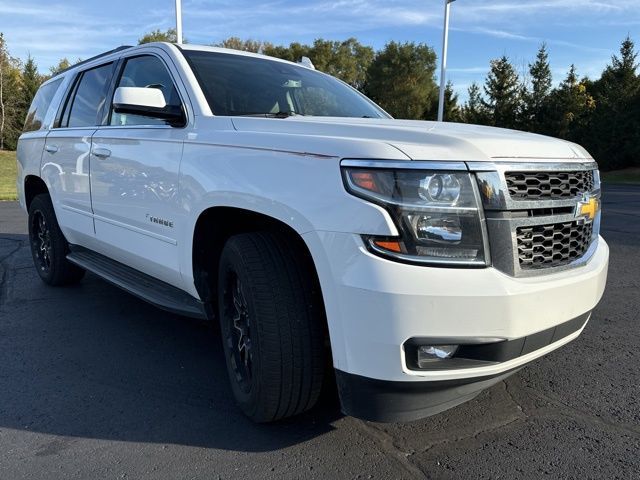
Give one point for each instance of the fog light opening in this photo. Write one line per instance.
(434, 353)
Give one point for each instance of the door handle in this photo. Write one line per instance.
(101, 152)
(51, 148)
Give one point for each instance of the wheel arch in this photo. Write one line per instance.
(33, 185)
(215, 225)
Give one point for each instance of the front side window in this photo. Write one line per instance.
(89, 97)
(146, 72)
(244, 85)
(40, 105)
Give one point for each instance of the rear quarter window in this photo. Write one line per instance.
(40, 105)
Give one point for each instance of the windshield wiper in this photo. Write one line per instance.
(270, 115)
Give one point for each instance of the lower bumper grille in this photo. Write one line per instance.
(553, 245)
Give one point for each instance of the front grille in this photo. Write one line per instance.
(548, 185)
(553, 245)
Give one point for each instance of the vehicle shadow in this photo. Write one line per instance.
(93, 361)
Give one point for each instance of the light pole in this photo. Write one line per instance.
(443, 61)
(178, 22)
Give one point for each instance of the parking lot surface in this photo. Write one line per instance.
(94, 383)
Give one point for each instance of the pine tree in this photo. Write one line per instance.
(452, 112)
(568, 108)
(474, 110)
(31, 81)
(502, 88)
(614, 118)
(535, 99)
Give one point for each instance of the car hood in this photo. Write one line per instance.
(420, 140)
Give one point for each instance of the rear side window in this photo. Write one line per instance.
(89, 97)
(40, 105)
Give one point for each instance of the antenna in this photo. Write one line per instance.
(443, 60)
(179, 22)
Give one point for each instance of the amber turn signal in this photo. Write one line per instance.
(392, 245)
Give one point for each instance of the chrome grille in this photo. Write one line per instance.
(530, 212)
(548, 185)
(552, 245)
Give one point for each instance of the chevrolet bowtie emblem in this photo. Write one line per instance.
(588, 208)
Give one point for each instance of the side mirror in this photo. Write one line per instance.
(146, 101)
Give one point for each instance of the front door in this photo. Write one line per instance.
(135, 165)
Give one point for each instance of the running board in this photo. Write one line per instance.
(141, 285)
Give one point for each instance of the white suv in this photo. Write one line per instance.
(422, 262)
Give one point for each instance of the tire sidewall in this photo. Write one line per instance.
(40, 205)
(231, 262)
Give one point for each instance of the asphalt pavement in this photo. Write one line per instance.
(95, 383)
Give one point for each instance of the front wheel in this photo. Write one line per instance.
(49, 248)
(271, 320)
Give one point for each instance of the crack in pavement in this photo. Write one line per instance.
(4, 269)
(389, 448)
(583, 415)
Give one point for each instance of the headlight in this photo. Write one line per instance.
(437, 214)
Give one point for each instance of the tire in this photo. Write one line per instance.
(271, 321)
(49, 248)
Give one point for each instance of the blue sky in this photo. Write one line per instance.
(584, 32)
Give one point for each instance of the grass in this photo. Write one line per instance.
(8, 175)
(627, 175)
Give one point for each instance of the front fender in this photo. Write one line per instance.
(303, 191)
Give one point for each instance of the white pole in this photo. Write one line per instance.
(443, 61)
(179, 22)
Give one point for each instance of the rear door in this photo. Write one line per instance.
(135, 176)
(66, 158)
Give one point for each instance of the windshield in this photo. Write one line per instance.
(244, 85)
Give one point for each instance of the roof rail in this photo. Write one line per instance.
(122, 47)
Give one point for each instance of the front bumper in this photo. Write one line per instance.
(375, 305)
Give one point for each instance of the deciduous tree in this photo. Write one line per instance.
(158, 35)
(401, 79)
(10, 98)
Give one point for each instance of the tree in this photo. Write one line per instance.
(157, 35)
(534, 100)
(63, 64)
(348, 60)
(614, 117)
(474, 110)
(502, 88)
(31, 81)
(568, 108)
(293, 53)
(401, 79)
(236, 43)
(11, 118)
(452, 111)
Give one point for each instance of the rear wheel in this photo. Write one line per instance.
(49, 248)
(271, 319)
